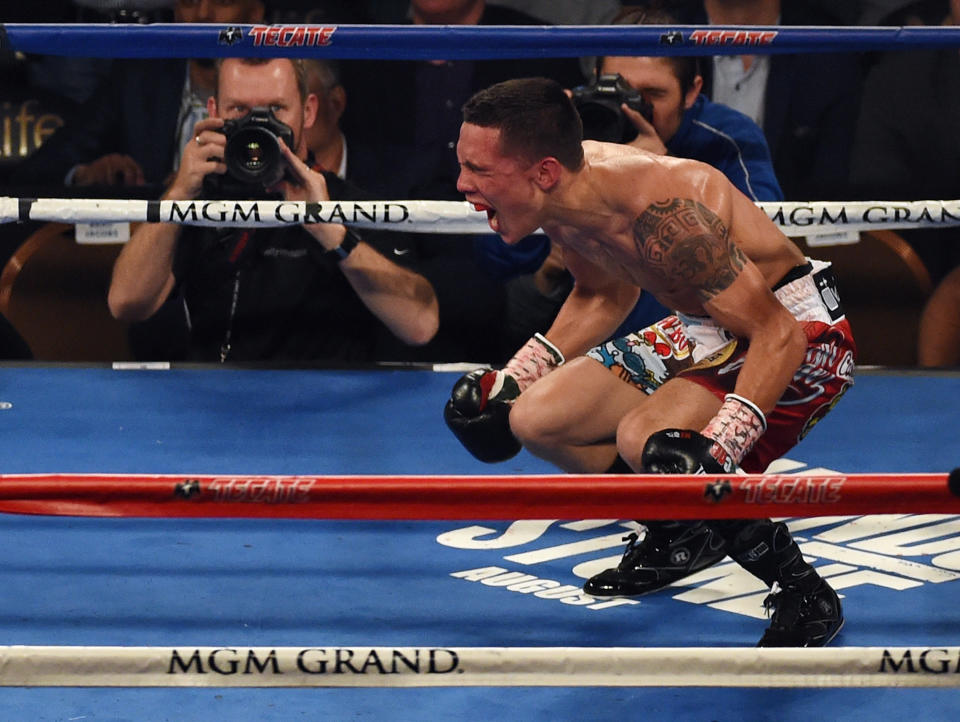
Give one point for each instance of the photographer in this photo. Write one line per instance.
(653, 104)
(290, 293)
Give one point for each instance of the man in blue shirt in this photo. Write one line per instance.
(685, 124)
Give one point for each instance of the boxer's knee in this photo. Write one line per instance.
(632, 434)
(533, 418)
(634, 430)
(577, 405)
(678, 404)
(552, 412)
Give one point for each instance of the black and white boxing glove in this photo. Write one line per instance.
(478, 414)
(683, 451)
(478, 411)
(719, 449)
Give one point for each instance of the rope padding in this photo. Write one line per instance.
(561, 496)
(453, 42)
(793, 218)
(333, 666)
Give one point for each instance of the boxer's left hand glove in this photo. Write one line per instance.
(478, 412)
(718, 450)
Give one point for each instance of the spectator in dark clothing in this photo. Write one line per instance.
(404, 115)
(906, 148)
(403, 121)
(806, 103)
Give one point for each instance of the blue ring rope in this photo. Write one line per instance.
(455, 42)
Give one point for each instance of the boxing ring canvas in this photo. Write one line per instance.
(324, 584)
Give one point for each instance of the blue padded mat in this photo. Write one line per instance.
(269, 582)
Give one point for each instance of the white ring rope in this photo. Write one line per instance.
(793, 218)
(332, 666)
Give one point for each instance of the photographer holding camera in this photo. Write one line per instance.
(316, 291)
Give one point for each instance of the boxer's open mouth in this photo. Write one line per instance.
(491, 213)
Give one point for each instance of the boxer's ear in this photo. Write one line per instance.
(547, 173)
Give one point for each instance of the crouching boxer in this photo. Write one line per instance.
(758, 351)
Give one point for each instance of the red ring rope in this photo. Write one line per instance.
(479, 497)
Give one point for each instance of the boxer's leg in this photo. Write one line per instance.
(806, 612)
(668, 550)
(570, 416)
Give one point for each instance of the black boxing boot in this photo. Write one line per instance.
(805, 611)
(667, 552)
(800, 618)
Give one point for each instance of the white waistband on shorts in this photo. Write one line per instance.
(804, 300)
(800, 296)
(705, 336)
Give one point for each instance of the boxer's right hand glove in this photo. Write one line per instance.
(478, 414)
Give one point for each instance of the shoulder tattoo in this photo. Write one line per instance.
(683, 239)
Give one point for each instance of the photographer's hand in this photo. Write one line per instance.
(403, 300)
(201, 156)
(305, 184)
(647, 137)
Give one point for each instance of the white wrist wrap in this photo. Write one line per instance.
(737, 426)
(536, 358)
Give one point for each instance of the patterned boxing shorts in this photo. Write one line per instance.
(699, 350)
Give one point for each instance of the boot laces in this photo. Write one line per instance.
(639, 551)
(785, 607)
(634, 545)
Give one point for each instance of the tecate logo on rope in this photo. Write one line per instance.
(292, 36)
(733, 37)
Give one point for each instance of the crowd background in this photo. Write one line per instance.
(838, 126)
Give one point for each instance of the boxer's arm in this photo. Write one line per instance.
(748, 308)
(693, 245)
(595, 308)
(688, 243)
(478, 411)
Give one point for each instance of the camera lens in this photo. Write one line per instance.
(252, 155)
(254, 158)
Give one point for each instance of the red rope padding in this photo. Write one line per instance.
(479, 497)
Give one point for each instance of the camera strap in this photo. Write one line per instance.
(235, 255)
(225, 346)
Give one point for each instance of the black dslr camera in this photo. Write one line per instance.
(599, 108)
(252, 155)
